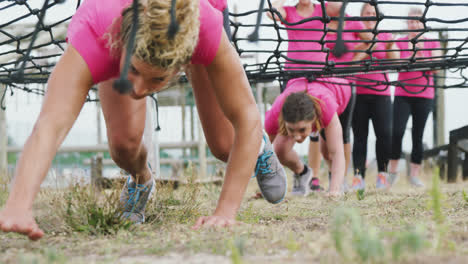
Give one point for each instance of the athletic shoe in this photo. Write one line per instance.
(392, 178)
(315, 185)
(270, 174)
(416, 182)
(133, 199)
(301, 183)
(381, 181)
(358, 183)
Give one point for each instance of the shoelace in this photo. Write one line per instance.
(262, 163)
(135, 194)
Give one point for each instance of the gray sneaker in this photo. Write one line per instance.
(133, 199)
(301, 183)
(416, 182)
(392, 178)
(270, 174)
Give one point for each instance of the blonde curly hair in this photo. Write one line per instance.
(152, 44)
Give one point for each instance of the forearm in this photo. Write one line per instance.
(241, 163)
(278, 5)
(33, 165)
(337, 170)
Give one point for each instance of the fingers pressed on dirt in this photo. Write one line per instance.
(211, 221)
(199, 223)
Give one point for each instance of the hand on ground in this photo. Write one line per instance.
(214, 221)
(20, 221)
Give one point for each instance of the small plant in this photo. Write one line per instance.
(411, 240)
(292, 245)
(360, 195)
(465, 196)
(237, 248)
(436, 199)
(365, 242)
(86, 212)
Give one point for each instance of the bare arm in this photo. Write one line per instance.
(67, 88)
(235, 98)
(395, 54)
(278, 5)
(334, 135)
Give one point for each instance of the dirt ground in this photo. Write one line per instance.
(402, 225)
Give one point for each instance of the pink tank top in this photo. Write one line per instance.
(302, 40)
(347, 36)
(94, 18)
(333, 93)
(425, 79)
(374, 78)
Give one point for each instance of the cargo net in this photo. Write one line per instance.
(264, 42)
(32, 37)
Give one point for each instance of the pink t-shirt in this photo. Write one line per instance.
(347, 36)
(361, 82)
(418, 78)
(333, 93)
(301, 39)
(94, 18)
(219, 4)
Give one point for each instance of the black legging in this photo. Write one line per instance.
(377, 108)
(419, 108)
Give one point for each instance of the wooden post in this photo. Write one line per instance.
(96, 171)
(3, 139)
(452, 160)
(98, 123)
(202, 172)
(151, 144)
(192, 128)
(259, 95)
(182, 105)
(439, 111)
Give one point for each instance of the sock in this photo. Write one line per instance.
(304, 171)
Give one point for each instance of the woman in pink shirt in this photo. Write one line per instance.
(304, 43)
(373, 102)
(414, 96)
(97, 36)
(322, 105)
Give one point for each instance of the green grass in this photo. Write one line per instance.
(401, 226)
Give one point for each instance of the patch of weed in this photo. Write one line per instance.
(85, 211)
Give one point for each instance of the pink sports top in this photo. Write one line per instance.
(379, 53)
(333, 93)
(300, 38)
(94, 18)
(423, 79)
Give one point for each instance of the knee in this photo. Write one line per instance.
(221, 149)
(123, 147)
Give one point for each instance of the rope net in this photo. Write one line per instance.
(32, 37)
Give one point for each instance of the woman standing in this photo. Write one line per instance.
(373, 103)
(415, 97)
